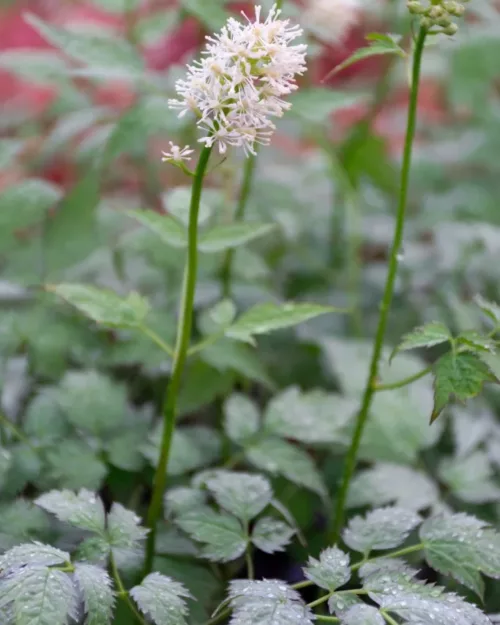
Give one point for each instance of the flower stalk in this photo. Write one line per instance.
(370, 388)
(180, 353)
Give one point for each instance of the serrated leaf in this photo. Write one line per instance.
(20, 521)
(23, 205)
(228, 236)
(222, 535)
(125, 533)
(104, 306)
(176, 203)
(339, 604)
(490, 309)
(264, 318)
(388, 483)
(43, 420)
(124, 450)
(473, 341)
(39, 596)
(314, 417)
(362, 615)
(470, 478)
(428, 335)
(106, 56)
(243, 494)
(281, 458)
(182, 499)
(217, 317)
(168, 229)
(271, 535)
(331, 571)
(383, 528)
(241, 418)
(270, 601)
(162, 599)
(375, 48)
(459, 376)
(460, 546)
(98, 597)
(84, 509)
(33, 554)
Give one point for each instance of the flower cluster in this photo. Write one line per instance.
(331, 20)
(438, 14)
(177, 154)
(239, 84)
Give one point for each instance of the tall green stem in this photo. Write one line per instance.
(370, 388)
(181, 348)
(246, 185)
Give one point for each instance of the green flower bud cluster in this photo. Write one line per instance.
(438, 14)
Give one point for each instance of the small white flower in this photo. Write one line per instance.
(331, 20)
(177, 154)
(240, 82)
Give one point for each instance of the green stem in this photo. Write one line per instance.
(305, 584)
(158, 340)
(388, 618)
(279, 4)
(326, 619)
(246, 185)
(319, 601)
(400, 383)
(393, 554)
(219, 617)
(181, 347)
(123, 593)
(350, 462)
(249, 562)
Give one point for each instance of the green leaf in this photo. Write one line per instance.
(162, 599)
(105, 56)
(125, 534)
(316, 104)
(241, 418)
(278, 457)
(384, 528)
(243, 494)
(23, 205)
(176, 202)
(74, 465)
(43, 420)
(388, 483)
(92, 401)
(471, 478)
(193, 447)
(168, 229)
(39, 596)
(183, 499)
(362, 614)
(428, 335)
(36, 66)
(228, 236)
(35, 554)
(218, 317)
(490, 309)
(264, 318)
(117, 6)
(476, 342)
(20, 521)
(268, 601)
(104, 306)
(84, 510)
(314, 417)
(331, 571)
(124, 450)
(459, 376)
(212, 15)
(75, 214)
(459, 546)
(375, 48)
(98, 598)
(271, 535)
(222, 535)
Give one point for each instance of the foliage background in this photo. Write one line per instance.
(82, 131)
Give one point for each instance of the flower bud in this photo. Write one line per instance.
(426, 22)
(436, 12)
(444, 22)
(454, 8)
(450, 30)
(415, 7)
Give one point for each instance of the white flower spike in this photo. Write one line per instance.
(177, 155)
(240, 82)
